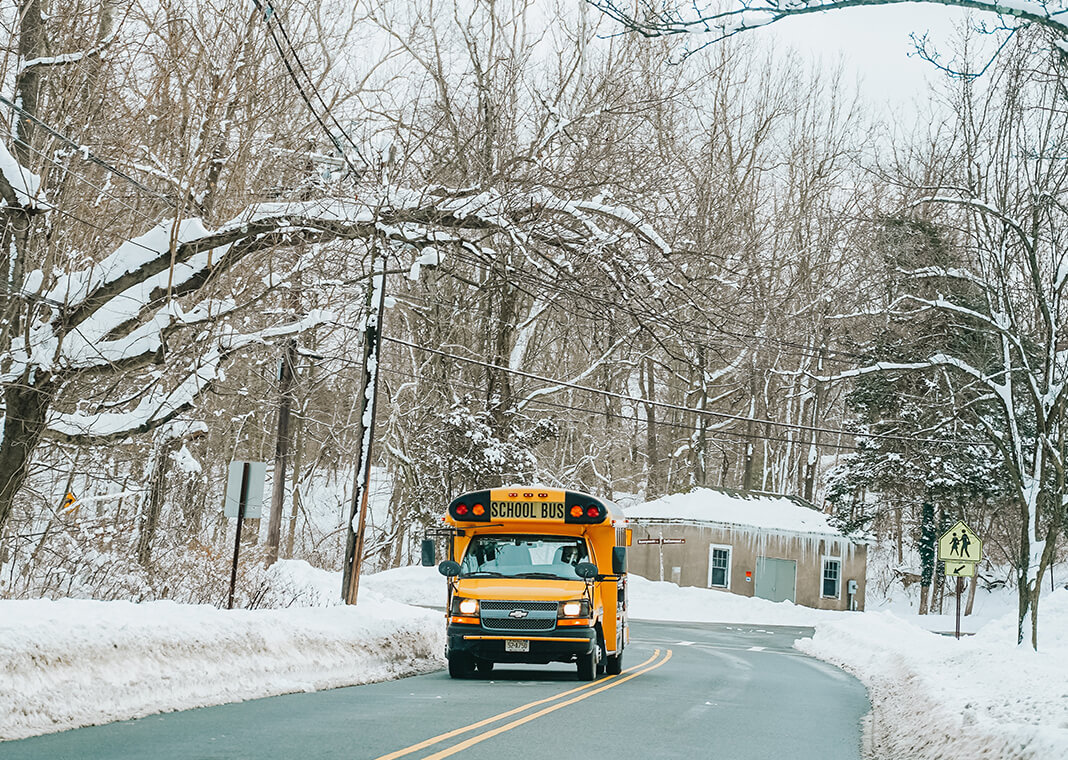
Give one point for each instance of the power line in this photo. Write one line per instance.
(85, 152)
(311, 82)
(678, 407)
(658, 316)
(659, 423)
(730, 341)
(87, 181)
(268, 14)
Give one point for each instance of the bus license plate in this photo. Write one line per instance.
(511, 645)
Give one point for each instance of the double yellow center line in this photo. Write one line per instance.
(583, 692)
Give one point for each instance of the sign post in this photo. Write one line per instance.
(961, 550)
(244, 499)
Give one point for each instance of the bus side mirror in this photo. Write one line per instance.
(586, 570)
(619, 560)
(449, 569)
(428, 550)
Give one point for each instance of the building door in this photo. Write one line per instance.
(776, 579)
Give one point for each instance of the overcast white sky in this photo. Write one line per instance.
(874, 43)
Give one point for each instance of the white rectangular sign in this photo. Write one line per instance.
(257, 473)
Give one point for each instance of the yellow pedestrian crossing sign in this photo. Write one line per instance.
(961, 569)
(960, 544)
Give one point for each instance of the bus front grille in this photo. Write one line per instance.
(500, 615)
(525, 624)
(505, 606)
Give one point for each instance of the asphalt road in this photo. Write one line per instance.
(729, 692)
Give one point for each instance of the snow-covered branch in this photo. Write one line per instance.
(985, 208)
(19, 187)
(594, 365)
(718, 21)
(938, 360)
(159, 407)
(118, 312)
(942, 273)
(52, 61)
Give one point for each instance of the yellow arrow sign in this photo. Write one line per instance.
(960, 544)
(960, 569)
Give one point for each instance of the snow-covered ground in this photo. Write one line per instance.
(74, 662)
(70, 663)
(935, 697)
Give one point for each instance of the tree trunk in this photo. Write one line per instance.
(295, 508)
(154, 507)
(897, 535)
(748, 469)
(28, 82)
(281, 451)
(25, 408)
(972, 583)
(652, 464)
(927, 554)
(701, 442)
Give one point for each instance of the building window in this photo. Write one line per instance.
(832, 578)
(719, 566)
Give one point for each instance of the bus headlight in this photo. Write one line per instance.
(574, 608)
(468, 606)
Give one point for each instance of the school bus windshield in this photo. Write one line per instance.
(505, 556)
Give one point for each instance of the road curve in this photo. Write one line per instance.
(687, 691)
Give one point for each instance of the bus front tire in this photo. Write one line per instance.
(614, 664)
(461, 665)
(484, 667)
(587, 666)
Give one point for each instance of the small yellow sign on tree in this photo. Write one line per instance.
(70, 504)
(960, 544)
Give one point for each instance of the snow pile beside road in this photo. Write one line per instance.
(935, 697)
(417, 585)
(423, 586)
(71, 663)
(660, 600)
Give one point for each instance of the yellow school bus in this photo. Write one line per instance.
(535, 575)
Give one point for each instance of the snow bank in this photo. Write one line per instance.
(423, 586)
(660, 600)
(935, 697)
(71, 663)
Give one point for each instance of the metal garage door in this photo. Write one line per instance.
(776, 579)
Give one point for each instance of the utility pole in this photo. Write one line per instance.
(281, 450)
(812, 457)
(372, 342)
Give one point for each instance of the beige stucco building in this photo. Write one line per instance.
(754, 544)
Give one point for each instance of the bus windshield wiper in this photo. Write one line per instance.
(543, 575)
(487, 573)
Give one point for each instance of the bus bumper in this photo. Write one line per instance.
(559, 645)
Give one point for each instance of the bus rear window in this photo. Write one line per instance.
(504, 556)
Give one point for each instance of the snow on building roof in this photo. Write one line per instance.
(771, 512)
